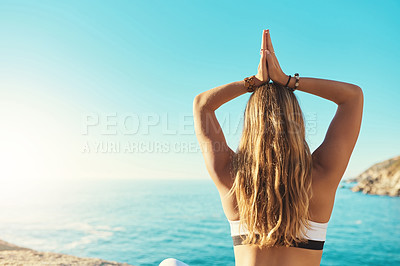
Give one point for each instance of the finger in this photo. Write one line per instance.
(264, 59)
(269, 42)
(264, 40)
(262, 66)
(270, 58)
(263, 56)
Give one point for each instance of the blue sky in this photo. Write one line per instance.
(117, 65)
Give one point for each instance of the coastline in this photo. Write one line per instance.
(11, 254)
(382, 178)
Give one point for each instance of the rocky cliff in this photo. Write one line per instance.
(381, 179)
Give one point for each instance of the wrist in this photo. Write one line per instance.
(258, 82)
(283, 79)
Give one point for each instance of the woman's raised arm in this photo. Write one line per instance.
(333, 155)
(216, 153)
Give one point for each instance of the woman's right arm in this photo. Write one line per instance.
(332, 156)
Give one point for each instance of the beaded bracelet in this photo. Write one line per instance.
(249, 83)
(297, 81)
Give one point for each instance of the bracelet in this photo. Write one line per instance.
(287, 83)
(249, 83)
(297, 81)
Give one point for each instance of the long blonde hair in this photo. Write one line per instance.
(272, 169)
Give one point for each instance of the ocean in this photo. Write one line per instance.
(142, 222)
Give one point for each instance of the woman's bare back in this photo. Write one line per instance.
(321, 207)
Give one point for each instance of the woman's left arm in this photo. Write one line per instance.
(216, 152)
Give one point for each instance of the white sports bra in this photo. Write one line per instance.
(316, 235)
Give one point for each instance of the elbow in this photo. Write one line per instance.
(354, 93)
(199, 102)
(358, 93)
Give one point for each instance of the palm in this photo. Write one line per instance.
(263, 74)
(274, 70)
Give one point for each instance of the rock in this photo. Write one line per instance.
(381, 179)
(14, 255)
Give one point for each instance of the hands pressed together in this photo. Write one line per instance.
(269, 67)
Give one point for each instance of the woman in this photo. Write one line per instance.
(277, 195)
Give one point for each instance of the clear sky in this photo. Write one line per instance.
(104, 89)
